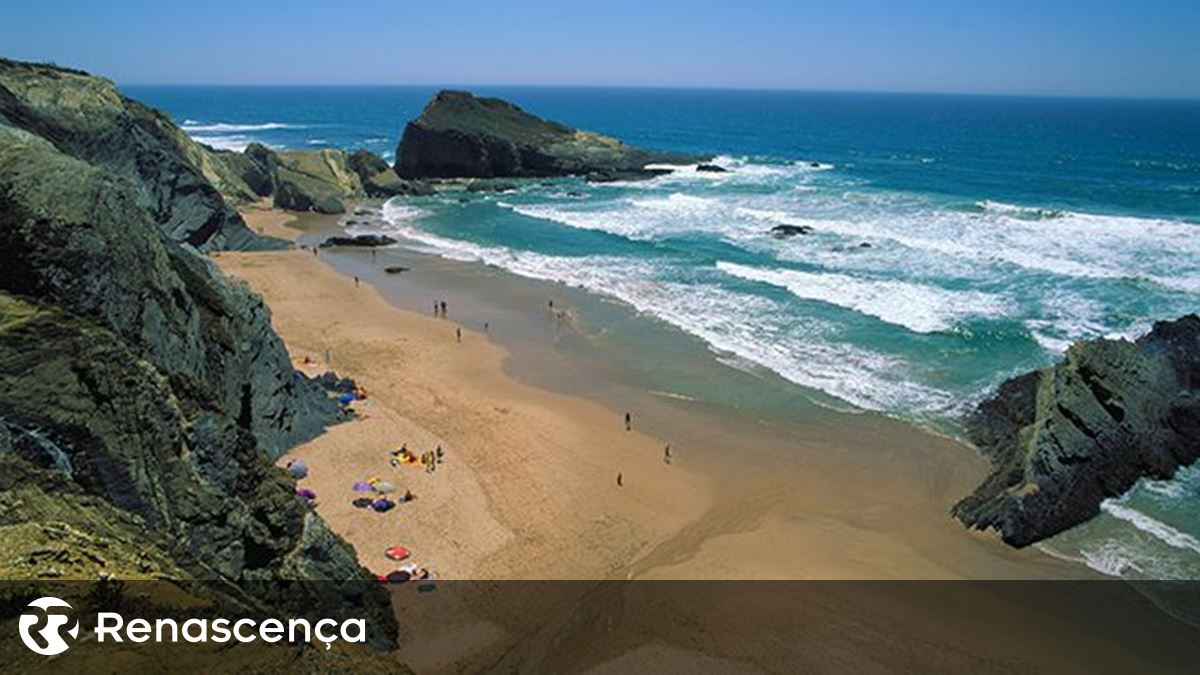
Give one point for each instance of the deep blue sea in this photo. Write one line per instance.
(956, 240)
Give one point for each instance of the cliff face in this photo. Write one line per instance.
(460, 135)
(138, 387)
(314, 180)
(86, 118)
(1063, 439)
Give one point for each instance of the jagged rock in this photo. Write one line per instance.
(380, 180)
(173, 177)
(460, 135)
(1063, 439)
(783, 231)
(711, 168)
(138, 387)
(315, 180)
(395, 270)
(258, 169)
(366, 240)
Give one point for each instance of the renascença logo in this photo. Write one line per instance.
(52, 641)
(110, 626)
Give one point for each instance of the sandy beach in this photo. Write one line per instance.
(528, 488)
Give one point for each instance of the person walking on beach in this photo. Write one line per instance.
(435, 307)
(620, 480)
(458, 334)
(356, 282)
(667, 454)
(485, 326)
(443, 309)
(628, 422)
(439, 453)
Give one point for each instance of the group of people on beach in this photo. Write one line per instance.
(429, 460)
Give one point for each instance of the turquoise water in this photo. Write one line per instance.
(955, 240)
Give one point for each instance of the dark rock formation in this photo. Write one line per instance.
(143, 396)
(1063, 439)
(484, 185)
(783, 231)
(460, 135)
(365, 240)
(711, 168)
(614, 175)
(380, 180)
(85, 117)
(395, 270)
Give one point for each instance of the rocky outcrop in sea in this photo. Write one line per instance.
(1063, 439)
(460, 135)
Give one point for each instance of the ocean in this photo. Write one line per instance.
(955, 241)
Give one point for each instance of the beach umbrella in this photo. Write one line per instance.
(397, 553)
(346, 399)
(363, 486)
(384, 487)
(298, 468)
(307, 493)
(382, 505)
(398, 577)
(362, 502)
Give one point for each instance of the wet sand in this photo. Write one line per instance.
(528, 487)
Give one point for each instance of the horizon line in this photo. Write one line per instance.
(652, 87)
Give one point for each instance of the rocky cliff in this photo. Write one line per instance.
(460, 135)
(1063, 439)
(172, 177)
(143, 396)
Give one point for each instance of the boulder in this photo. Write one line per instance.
(1063, 439)
(380, 180)
(485, 185)
(460, 135)
(711, 168)
(784, 231)
(362, 240)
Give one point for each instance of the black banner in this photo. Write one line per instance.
(607, 626)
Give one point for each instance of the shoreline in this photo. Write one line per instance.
(528, 488)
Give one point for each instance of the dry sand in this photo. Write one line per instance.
(528, 491)
(528, 488)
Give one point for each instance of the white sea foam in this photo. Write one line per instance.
(748, 326)
(1111, 558)
(1157, 529)
(1072, 245)
(191, 126)
(1186, 483)
(643, 218)
(234, 142)
(917, 307)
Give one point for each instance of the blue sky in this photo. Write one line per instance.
(1139, 48)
